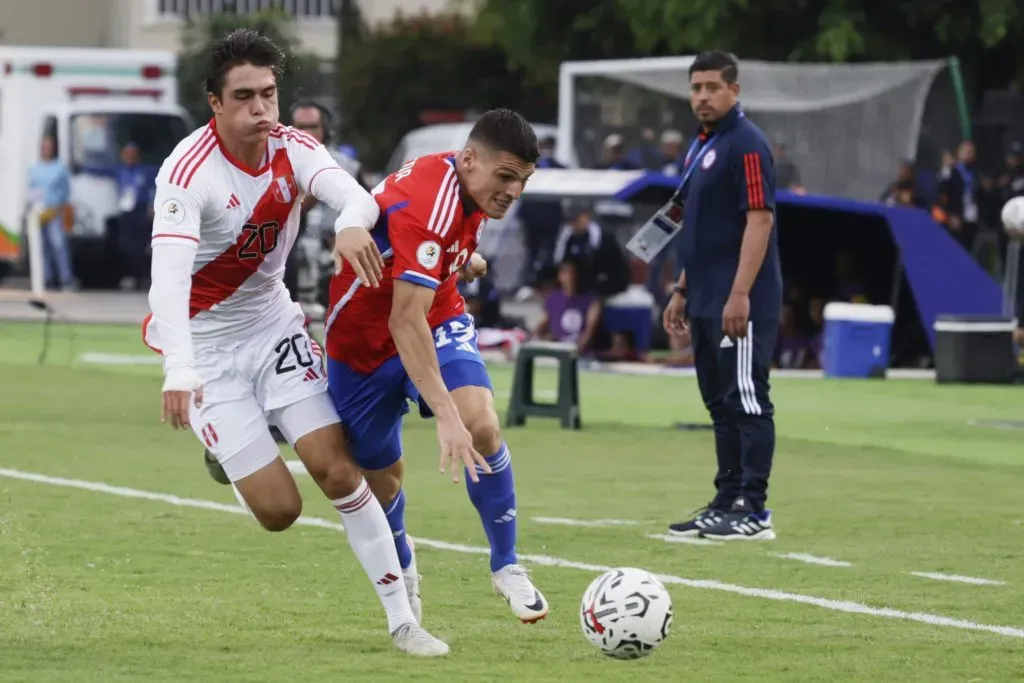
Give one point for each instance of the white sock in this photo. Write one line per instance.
(370, 537)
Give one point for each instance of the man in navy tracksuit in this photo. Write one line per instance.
(729, 297)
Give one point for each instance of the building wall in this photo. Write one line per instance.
(81, 23)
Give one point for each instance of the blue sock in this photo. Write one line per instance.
(494, 497)
(395, 513)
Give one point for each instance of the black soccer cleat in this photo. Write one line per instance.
(741, 523)
(704, 518)
(214, 468)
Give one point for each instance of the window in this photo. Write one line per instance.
(300, 9)
(97, 139)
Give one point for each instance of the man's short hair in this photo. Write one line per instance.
(716, 60)
(241, 46)
(503, 130)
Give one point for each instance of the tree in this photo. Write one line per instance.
(302, 76)
(421, 64)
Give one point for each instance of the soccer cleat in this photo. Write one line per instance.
(512, 582)
(704, 518)
(215, 469)
(412, 639)
(412, 584)
(742, 523)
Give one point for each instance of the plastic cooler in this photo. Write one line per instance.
(857, 339)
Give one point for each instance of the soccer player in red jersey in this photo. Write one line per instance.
(411, 339)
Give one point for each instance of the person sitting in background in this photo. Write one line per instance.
(792, 350)
(571, 316)
(671, 158)
(904, 191)
(849, 286)
(603, 265)
(816, 345)
(615, 158)
(787, 175)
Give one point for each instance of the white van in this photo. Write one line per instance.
(91, 101)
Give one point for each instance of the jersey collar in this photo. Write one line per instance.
(234, 161)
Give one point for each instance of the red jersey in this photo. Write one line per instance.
(425, 236)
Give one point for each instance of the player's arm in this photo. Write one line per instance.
(320, 176)
(415, 343)
(174, 242)
(754, 175)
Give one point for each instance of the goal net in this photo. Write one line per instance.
(846, 127)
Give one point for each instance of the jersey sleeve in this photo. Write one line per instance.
(418, 253)
(177, 213)
(318, 173)
(754, 174)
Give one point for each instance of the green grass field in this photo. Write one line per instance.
(109, 583)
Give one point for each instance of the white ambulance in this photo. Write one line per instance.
(91, 101)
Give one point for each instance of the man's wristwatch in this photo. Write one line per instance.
(681, 291)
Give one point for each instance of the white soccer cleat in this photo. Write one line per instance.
(512, 582)
(412, 584)
(412, 639)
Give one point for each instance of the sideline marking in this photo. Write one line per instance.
(706, 584)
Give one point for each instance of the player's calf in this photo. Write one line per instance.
(271, 495)
(386, 485)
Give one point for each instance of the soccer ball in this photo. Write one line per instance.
(1013, 215)
(626, 613)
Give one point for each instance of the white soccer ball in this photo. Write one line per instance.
(1013, 215)
(626, 613)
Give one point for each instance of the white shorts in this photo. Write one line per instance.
(275, 376)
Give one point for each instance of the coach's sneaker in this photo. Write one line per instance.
(704, 518)
(215, 469)
(742, 523)
(412, 584)
(512, 582)
(412, 639)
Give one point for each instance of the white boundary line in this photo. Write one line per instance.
(685, 540)
(592, 523)
(706, 584)
(957, 578)
(814, 559)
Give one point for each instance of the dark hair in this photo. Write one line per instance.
(241, 46)
(716, 60)
(503, 130)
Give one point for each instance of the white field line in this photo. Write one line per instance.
(763, 593)
(814, 559)
(120, 359)
(296, 467)
(565, 521)
(685, 540)
(938, 576)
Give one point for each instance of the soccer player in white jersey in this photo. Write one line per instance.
(237, 356)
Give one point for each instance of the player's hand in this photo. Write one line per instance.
(673, 318)
(457, 450)
(356, 246)
(475, 268)
(182, 386)
(735, 315)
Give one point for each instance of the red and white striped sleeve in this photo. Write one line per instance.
(755, 173)
(178, 203)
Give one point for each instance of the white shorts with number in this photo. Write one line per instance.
(276, 376)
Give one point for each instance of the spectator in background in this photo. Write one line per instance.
(605, 270)
(136, 187)
(904, 191)
(792, 352)
(615, 155)
(671, 160)
(571, 315)
(849, 286)
(540, 220)
(816, 346)
(1011, 177)
(786, 173)
(960, 189)
(50, 188)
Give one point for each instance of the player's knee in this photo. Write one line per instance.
(338, 476)
(483, 425)
(278, 515)
(385, 483)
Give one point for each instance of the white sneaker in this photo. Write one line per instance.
(412, 584)
(412, 639)
(512, 582)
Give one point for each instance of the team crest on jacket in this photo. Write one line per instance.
(709, 159)
(284, 188)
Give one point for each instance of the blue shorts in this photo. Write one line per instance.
(371, 405)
